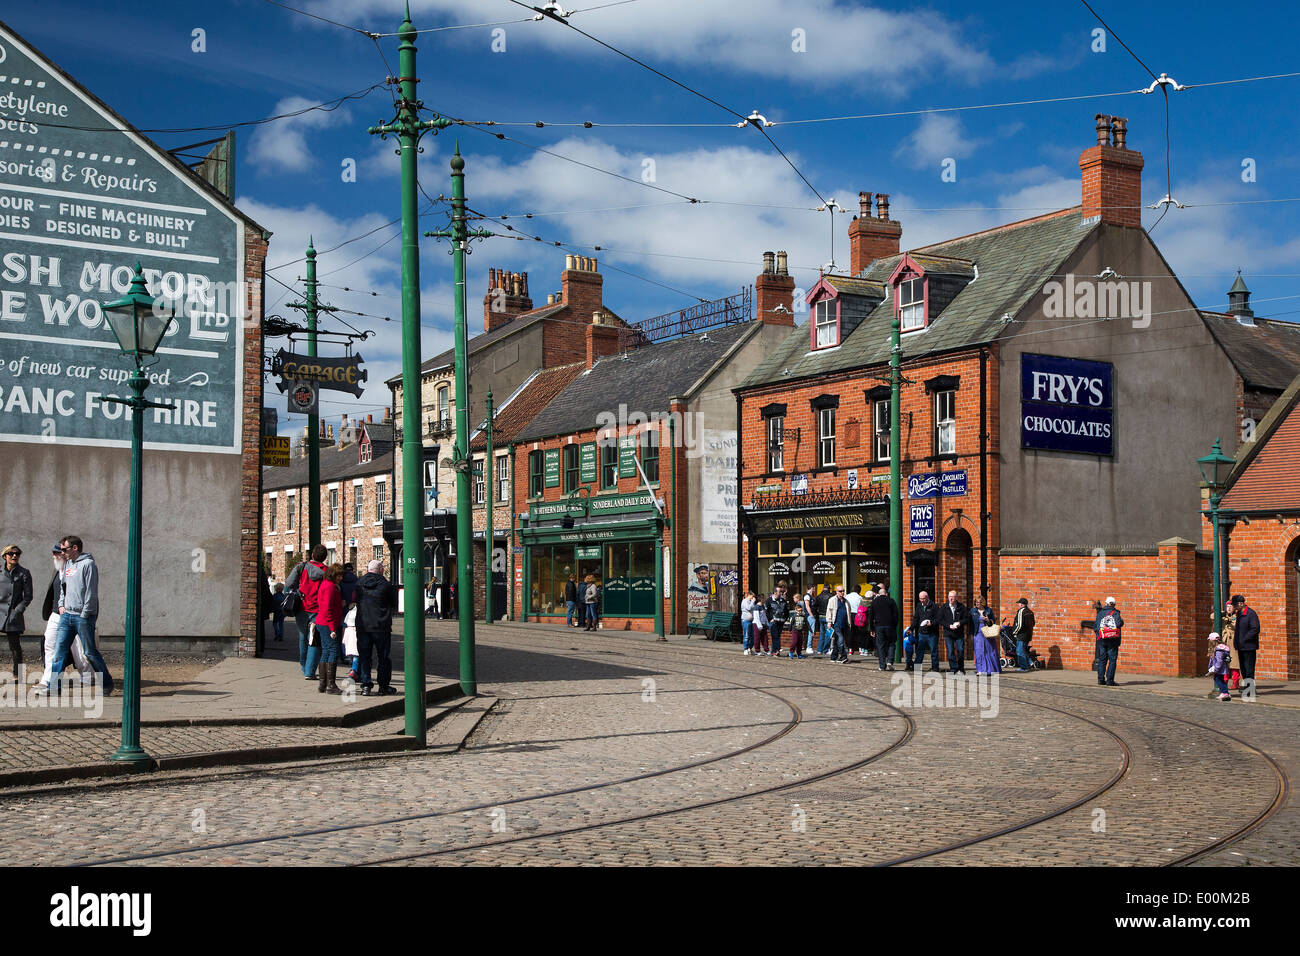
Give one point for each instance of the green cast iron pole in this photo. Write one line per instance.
(510, 542)
(895, 485)
(489, 533)
(1218, 583)
(130, 751)
(313, 421)
(464, 499)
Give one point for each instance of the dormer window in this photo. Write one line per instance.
(911, 304)
(826, 324)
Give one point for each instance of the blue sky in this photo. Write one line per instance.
(857, 58)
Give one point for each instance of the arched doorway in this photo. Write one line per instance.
(959, 566)
(1291, 588)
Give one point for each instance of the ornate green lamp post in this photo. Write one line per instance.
(1214, 471)
(138, 321)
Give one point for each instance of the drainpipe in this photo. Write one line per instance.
(510, 581)
(672, 530)
(984, 476)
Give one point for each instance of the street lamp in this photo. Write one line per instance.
(138, 322)
(1214, 471)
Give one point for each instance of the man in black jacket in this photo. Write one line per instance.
(570, 601)
(954, 622)
(925, 630)
(1245, 638)
(16, 595)
(778, 610)
(884, 621)
(376, 601)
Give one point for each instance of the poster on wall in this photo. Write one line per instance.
(922, 524)
(1066, 404)
(718, 487)
(82, 200)
(698, 591)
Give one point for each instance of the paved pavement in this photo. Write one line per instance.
(610, 748)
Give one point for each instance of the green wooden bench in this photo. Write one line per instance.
(717, 626)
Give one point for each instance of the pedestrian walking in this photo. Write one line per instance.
(591, 597)
(306, 579)
(1220, 663)
(79, 610)
(15, 597)
(954, 622)
(50, 611)
(1110, 631)
(277, 611)
(329, 627)
(376, 603)
(778, 612)
(837, 617)
(1245, 638)
(884, 620)
(925, 631)
(747, 605)
(1022, 632)
(986, 641)
(571, 601)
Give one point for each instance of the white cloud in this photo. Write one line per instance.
(938, 136)
(894, 50)
(282, 145)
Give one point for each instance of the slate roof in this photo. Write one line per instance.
(945, 265)
(643, 379)
(533, 396)
(1012, 261)
(336, 464)
(853, 286)
(1266, 355)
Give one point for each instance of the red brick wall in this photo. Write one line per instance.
(1262, 568)
(1161, 596)
(251, 466)
(1112, 185)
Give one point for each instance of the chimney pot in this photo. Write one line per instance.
(568, 261)
(781, 268)
(492, 279)
(769, 262)
(864, 204)
(1119, 127)
(1103, 129)
(550, 299)
(593, 264)
(882, 205)
(525, 284)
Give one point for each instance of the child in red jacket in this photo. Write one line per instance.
(329, 627)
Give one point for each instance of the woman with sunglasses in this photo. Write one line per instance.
(15, 595)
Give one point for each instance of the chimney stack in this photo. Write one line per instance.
(872, 237)
(1112, 175)
(581, 287)
(507, 297)
(774, 291)
(602, 339)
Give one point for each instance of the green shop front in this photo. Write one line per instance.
(616, 539)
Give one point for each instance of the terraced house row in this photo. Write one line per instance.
(1058, 387)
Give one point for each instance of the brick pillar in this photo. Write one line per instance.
(250, 517)
(1180, 649)
(774, 292)
(872, 237)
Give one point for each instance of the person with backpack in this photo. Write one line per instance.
(305, 580)
(1022, 632)
(1110, 631)
(1220, 662)
(884, 620)
(1246, 638)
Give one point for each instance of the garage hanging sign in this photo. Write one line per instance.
(82, 199)
(1066, 404)
(339, 374)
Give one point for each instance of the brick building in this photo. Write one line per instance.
(662, 544)
(356, 464)
(517, 340)
(1046, 445)
(1260, 521)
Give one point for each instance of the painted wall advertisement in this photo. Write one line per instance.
(1067, 404)
(718, 487)
(78, 208)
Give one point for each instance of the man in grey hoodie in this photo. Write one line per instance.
(78, 602)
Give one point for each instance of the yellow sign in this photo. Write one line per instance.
(275, 451)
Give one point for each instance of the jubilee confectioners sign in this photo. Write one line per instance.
(835, 520)
(1066, 404)
(82, 199)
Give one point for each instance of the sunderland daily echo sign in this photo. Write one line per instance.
(1067, 404)
(82, 200)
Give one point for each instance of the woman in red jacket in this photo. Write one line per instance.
(329, 627)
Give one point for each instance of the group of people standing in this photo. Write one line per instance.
(582, 602)
(70, 610)
(841, 625)
(1240, 633)
(337, 617)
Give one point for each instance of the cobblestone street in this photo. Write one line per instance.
(609, 749)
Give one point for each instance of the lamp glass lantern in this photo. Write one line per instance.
(1214, 468)
(138, 320)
